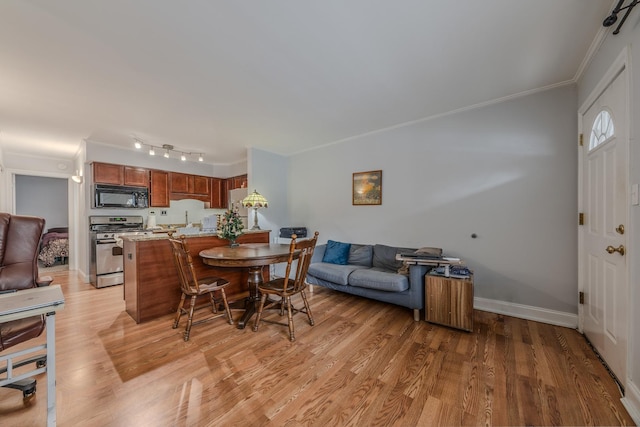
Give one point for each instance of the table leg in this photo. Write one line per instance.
(51, 368)
(254, 280)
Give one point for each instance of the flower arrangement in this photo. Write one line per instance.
(230, 226)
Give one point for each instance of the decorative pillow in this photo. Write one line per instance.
(429, 251)
(360, 255)
(336, 253)
(385, 257)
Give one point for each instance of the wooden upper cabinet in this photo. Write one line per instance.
(137, 177)
(179, 182)
(159, 193)
(201, 185)
(218, 193)
(107, 173)
(189, 184)
(239, 181)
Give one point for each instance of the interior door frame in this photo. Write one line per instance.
(619, 64)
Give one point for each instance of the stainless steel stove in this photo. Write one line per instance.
(106, 247)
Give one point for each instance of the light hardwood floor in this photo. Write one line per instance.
(364, 363)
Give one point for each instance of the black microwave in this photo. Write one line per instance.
(118, 196)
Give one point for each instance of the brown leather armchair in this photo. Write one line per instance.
(19, 243)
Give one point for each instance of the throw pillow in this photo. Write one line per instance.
(336, 253)
(360, 255)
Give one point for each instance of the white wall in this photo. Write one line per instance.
(507, 172)
(613, 45)
(44, 197)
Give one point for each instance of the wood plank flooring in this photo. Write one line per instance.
(364, 363)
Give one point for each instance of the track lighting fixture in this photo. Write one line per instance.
(611, 19)
(168, 149)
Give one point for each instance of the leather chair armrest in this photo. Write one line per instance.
(44, 281)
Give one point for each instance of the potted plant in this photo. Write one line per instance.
(230, 227)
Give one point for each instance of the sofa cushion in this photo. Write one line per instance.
(384, 257)
(332, 272)
(373, 278)
(361, 255)
(336, 253)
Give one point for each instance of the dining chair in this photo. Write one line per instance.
(193, 287)
(300, 253)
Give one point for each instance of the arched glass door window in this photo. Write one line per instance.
(602, 129)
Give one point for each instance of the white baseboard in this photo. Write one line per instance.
(631, 401)
(553, 317)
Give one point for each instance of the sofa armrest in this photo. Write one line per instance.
(318, 253)
(416, 284)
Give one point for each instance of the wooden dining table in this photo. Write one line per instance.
(253, 256)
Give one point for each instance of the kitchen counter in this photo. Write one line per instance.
(151, 284)
(164, 234)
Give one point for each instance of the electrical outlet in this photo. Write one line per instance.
(163, 213)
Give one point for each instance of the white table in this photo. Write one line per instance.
(27, 303)
(445, 262)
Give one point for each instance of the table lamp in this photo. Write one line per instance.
(256, 201)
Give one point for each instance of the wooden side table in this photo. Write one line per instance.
(449, 301)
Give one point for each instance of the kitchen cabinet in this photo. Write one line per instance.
(239, 181)
(107, 173)
(159, 192)
(218, 193)
(183, 183)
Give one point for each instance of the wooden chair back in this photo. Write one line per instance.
(184, 266)
(304, 251)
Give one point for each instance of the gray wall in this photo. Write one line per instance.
(507, 172)
(612, 46)
(43, 197)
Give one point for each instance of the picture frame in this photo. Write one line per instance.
(367, 188)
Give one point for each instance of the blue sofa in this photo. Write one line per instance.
(372, 271)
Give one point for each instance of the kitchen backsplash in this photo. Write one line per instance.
(181, 212)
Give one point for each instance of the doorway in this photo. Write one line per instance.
(47, 197)
(603, 194)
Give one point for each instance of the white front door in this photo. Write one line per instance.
(604, 189)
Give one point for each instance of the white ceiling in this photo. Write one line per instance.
(218, 76)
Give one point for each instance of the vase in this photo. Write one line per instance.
(233, 243)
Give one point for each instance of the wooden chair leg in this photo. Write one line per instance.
(179, 312)
(226, 306)
(192, 306)
(214, 309)
(290, 315)
(259, 315)
(307, 307)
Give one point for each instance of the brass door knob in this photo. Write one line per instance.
(620, 229)
(620, 249)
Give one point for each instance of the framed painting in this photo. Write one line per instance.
(367, 188)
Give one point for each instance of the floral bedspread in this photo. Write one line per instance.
(53, 249)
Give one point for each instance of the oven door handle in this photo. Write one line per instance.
(106, 242)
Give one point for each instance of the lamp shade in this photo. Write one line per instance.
(255, 200)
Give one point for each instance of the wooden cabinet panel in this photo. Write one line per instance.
(239, 181)
(179, 182)
(182, 183)
(218, 194)
(137, 177)
(106, 173)
(449, 301)
(200, 185)
(159, 193)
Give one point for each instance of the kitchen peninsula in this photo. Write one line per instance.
(151, 284)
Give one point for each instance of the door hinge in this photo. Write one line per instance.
(581, 140)
(581, 218)
(581, 297)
